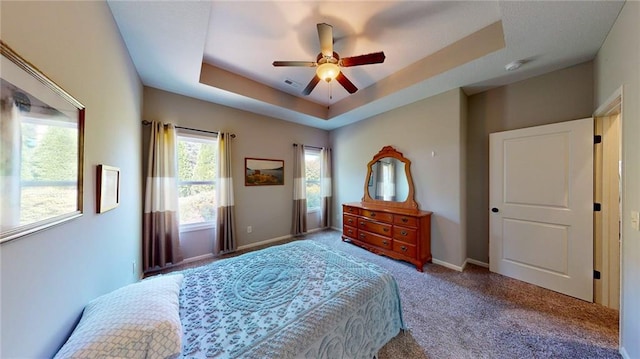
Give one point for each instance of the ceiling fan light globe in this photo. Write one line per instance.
(327, 71)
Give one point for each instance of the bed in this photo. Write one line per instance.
(297, 300)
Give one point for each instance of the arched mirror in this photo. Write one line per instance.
(389, 180)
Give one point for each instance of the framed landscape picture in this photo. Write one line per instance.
(263, 172)
(41, 150)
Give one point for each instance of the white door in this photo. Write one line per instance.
(541, 206)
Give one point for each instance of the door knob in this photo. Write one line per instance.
(495, 210)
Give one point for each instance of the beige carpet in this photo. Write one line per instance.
(478, 314)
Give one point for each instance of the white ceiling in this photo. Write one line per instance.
(170, 40)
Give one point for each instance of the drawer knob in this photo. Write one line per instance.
(404, 233)
(350, 220)
(385, 242)
(404, 249)
(405, 219)
(385, 229)
(362, 235)
(362, 223)
(373, 214)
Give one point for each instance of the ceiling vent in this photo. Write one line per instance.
(292, 83)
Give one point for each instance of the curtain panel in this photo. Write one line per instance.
(226, 222)
(161, 242)
(299, 220)
(326, 187)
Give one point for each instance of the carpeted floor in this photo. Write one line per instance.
(478, 314)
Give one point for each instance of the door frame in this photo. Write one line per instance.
(610, 107)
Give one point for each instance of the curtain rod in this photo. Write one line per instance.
(317, 148)
(233, 135)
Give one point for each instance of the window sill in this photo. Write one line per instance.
(313, 210)
(197, 227)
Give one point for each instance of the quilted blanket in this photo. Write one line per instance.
(297, 300)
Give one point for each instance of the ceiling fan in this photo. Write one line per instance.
(328, 62)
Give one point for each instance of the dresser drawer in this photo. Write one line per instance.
(405, 220)
(351, 210)
(406, 235)
(349, 231)
(375, 227)
(378, 216)
(349, 220)
(404, 249)
(374, 239)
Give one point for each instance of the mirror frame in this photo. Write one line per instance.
(388, 151)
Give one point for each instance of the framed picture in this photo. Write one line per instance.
(263, 172)
(108, 188)
(41, 150)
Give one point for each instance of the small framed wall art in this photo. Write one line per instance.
(263, 172)
(108, 188)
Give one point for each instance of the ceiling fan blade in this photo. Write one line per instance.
(295, 63)
(325, 33)
(373, 58)
(346, 83)
(312, 84)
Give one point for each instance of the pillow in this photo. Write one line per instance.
(140, 320)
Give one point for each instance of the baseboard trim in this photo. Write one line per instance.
(250, 245)
(266, 241)
(447, 264)
(197, 258)
(476, 262)
(624, 353)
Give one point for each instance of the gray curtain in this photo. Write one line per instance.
(326, 186)
(299, 225)
(160, 238)
(226, 222)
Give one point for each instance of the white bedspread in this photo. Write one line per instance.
(298, 300)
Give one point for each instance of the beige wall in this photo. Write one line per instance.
(431, 125)
(47, 278)
(618, 65)
(555, 97)
(267, 209)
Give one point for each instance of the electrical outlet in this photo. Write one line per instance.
(635, 220)
(249, 229)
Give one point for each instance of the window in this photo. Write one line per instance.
(312, 178)
(196, 180)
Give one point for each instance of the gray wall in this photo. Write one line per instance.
(431, 125)
(267, 209)
(47, 278)
(618, 65)
(555, 97)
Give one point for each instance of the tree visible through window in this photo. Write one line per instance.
(312, 178)
(49, 169)
(196, 179)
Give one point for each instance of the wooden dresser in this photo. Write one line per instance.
(399, 233)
